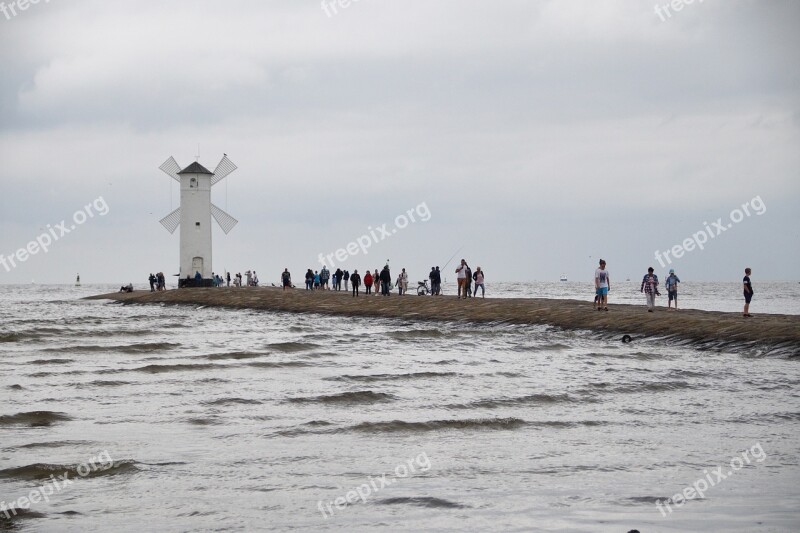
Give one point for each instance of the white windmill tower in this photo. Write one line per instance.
(194, 216)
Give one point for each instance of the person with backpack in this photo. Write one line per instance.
(368, 282)
(355, 280)
(286, 278)
(672, 289)
(650, 289)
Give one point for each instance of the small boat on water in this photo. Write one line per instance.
(563, 277)
(78, 281)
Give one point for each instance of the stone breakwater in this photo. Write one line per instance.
(711, 329)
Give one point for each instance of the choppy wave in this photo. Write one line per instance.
(292, 347)
(34, 419)
(159, 369)
(435, 425)
(412, 334)
(234, 355)
(51, 444)
(145, 347)
(422, 501)
(354, 397)
(40, 471)
(279, 364)
(233, 401)
(392, 377)
(531, 399)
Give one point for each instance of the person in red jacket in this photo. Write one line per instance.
(367, 282)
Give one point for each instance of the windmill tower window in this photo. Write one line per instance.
(193, 183)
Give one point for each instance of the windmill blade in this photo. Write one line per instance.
(172, 221)
(224, 168)
(225, 221)
(170, 167)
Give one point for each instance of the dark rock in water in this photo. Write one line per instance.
(626, 338)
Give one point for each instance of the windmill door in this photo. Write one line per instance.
(197, 266)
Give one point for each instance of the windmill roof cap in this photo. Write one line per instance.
(195, 168)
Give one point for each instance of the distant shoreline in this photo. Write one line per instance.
(711, 329)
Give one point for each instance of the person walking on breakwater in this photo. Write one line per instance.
(402, 283)
(672, 289)
(324, 276)
(650, 289)
(747, 286)
(478, 278)
(461, 272)
(386, 281)
(602, 284)
(355, 280)
(367, 282)
(468, 281)
(152, 280)
(161, 282)
(286, 279)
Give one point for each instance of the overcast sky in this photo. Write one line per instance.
(540, 135)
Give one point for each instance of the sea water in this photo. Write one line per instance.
(176, 418)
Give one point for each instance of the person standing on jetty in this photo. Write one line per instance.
(317, 280)
(478, 277)
(437, 287)
(461, 272)
(324, 276)
(386, 281)
(309, 280)
(650, 289)
(748, 292)
(376, 280)
(672, 289)
(402, 282)
(602, 284)
(367, 282)
(346, 279)
(355, 280)
(152, 280)
(286, 279)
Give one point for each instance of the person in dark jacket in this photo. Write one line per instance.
(355, 280)
(386, 281)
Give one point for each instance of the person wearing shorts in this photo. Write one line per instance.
(747, 287)
(602, 284)
(672, 288)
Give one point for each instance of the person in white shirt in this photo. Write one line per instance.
(462, 278)
(602, 284)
